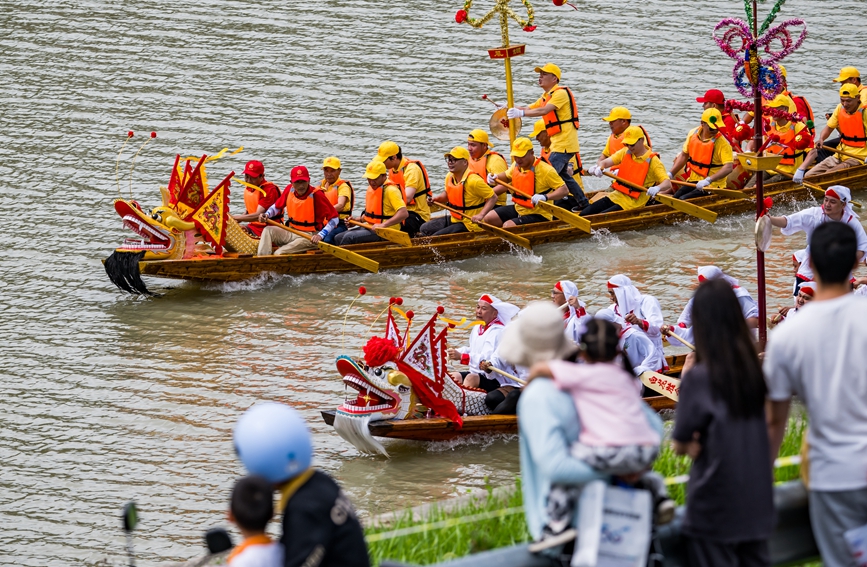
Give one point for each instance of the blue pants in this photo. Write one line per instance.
(341, 227)
(560, 161)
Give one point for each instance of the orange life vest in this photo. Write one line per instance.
(700, 159)
(252, 197)
(455, 196)
(374, 204)
(552, 121)
(851, 127)
(480, 166)
(635, 171)
(332, 196)
(525, 183)
(545, 155)
(301, 213)
(791, 156)
(397, 178)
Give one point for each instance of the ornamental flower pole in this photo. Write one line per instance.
(758, 78)
(506, 51)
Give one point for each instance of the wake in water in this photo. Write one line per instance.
(355, 431)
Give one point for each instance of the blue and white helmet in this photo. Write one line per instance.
(272, 440)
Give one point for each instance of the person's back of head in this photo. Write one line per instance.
(724, 344)
(601, 343)
(252, 503)
(833, 252)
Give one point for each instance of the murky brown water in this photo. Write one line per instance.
(109, 398)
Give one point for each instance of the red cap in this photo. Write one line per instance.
(299, 173)
(254, 168)
(714, 96)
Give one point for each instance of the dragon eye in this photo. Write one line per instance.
(156, 216)
(403, 389)
(378, 371)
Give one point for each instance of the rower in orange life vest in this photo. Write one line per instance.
(534, 180)
(847, 76)
(560, 112)
(483, 160)
(619, 119)
(257, 202)
(411, 176)
(307, 210)
(466, 191)
(637, 164)
(383, 207)
(541, 135)
(790, 139)
(707, 156)
(339, 193)
(850, 119)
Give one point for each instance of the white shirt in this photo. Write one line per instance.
(262, 555)
(821, 356)
(651, 312)
(641, 352)
(683, 329)
(521, 372)
(484, 340)
(808, 220)
(576, 326)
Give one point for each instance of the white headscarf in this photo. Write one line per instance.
(714, 273)
(609, 315)
(845, 196)
(569, 289)
(505, 311)
(628, 297)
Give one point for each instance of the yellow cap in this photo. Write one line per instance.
(386, 150)
(783, 71)
(712, 118)
(521, 146)
(480, 136)
(374, 169)
(632, 135)
(458, 152)
(849, 91)
(618, 113)
(549, 68)
(847, 73)
(332, 162)
(538, 128)
(783, 100)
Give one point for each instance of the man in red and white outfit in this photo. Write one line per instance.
(483, 343)
(638, 310)
(565, 293)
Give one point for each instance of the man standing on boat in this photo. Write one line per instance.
(558, 109)
(339, 193)
(707, 156)
(257, 202)
(619, 120)
(483, 160)
(534, 180)
(383, 207)
(850, 119)
(307, 210)
(412, 179)
(467, 192)
(636, 164)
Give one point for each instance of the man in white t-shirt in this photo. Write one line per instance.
(821, 356)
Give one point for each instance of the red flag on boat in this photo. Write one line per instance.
(210, 217)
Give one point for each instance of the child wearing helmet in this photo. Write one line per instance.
(251, 507)
(319, 524)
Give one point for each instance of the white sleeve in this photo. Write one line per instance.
(652, 313)
(800, 221)
(685, 332)
(645, 352)
(748, 306)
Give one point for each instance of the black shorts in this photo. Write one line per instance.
(487, 384)
(510, 213)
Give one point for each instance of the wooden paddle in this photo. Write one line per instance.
(658, 382)
(842, 153)
(345, 255)
(731, 193)
(390, 234)
(676, 204)
(669, 333)
(558, 213)
(507, 375)
(812, 186)
(501, 232)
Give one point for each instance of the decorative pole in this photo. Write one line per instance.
(506, 51)
(760, 182)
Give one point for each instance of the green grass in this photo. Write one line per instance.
(491, 522)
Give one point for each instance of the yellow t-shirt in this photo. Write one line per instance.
(863, 91)
(655, 175)
(566, 141)
(476, 192)
(496, 164)
(413, 177)
(343, 190)
(607, 151)
(545, 177)
(392, 200)
(834, 122)
(722, 153)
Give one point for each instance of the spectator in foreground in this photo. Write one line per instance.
(822, 357)
(720, 424)
(251, 508)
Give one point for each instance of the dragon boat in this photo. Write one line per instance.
(401, 389)
(191, 235)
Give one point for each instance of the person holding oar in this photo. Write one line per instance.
(384, 207)
(707, 156)
(467, 194)
(637, 309)
(564, 295)
(850, 119)
(339, 193)
(411, 177)
(483, 160)
(619, 121)
(533, 181)
(307, 210)
(637, 164)
(259, 195)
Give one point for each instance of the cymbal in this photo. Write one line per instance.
(500, 131)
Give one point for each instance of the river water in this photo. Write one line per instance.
(109, 397)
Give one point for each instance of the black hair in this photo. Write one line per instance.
(724, 345)
(252, 503)
(833, 252)
(399, 154)
(601, 343)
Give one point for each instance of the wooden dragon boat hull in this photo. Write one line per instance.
(468, 245)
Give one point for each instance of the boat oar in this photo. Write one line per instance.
(345, 255)
(812, 186)
(507, 375)
(676, 204)
(731, 193)
(842, 153)
(390, 234)
(669, 333)
(665, 385)
(497, 231)
(558, 213)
